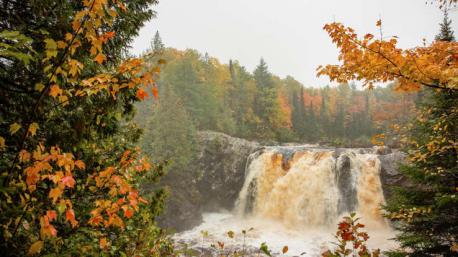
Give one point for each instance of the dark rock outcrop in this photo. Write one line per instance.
(221, 164)
(211, 183)
(389, 173)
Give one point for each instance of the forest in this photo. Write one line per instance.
(261, 106)
(105, 153)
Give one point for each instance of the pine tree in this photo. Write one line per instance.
(427, 210)
(324, 115)
(157, 46)
(312, 125)
(266, 101)
(298, 115)
(446, 32)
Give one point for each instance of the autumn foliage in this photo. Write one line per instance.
(351, 240)
(373, 59)
(56, 194)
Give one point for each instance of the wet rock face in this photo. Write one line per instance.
(221, 164)
(348, 201)
(390, 174)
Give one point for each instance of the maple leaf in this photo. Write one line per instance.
(35, 248)
(2, 143)
(68, 181)
(80, 164)
(39, 87)
(103, 243)
(100, 58)
(55, 91)
(33, 128)
(61, 44)
(155, 92)
(128, 213)
(52, 215)
(110, 34)
(379, 23)
(70, 216)
(14, 128)
(50, 44)
(141, 94)
(24, 156)
(55, 193)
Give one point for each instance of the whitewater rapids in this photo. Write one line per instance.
(295, 196)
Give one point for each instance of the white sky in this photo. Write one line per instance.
(287, 33)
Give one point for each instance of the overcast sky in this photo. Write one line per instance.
(288, 33)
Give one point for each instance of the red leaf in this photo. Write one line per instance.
(52, 215)
(141, 94)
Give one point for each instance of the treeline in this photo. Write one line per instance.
(262, 106)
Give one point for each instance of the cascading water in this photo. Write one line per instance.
(311, 187)
(295, 196)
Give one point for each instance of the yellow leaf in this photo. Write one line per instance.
(14, 128)
(35, 248)
(50, 44)
(100, 58)
(68, 36)
(33, 128)
(39, 87)
(2, 143)
(51, 53)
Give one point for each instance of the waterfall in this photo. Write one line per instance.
(304, 187)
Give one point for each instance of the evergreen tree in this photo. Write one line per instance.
(266, 101)
(298, 115)
(324, 115)
(427, 211)
(312, 132)
(158, 46)
(446, 32)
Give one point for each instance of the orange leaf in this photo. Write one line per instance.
(155, 92)
(100, 58)
(55, 91)
(70, 216)
(80, 164)
(24, 156)
(110, 34)
(103, 243)
(55, 193)
(128, 213)
(141, 94)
